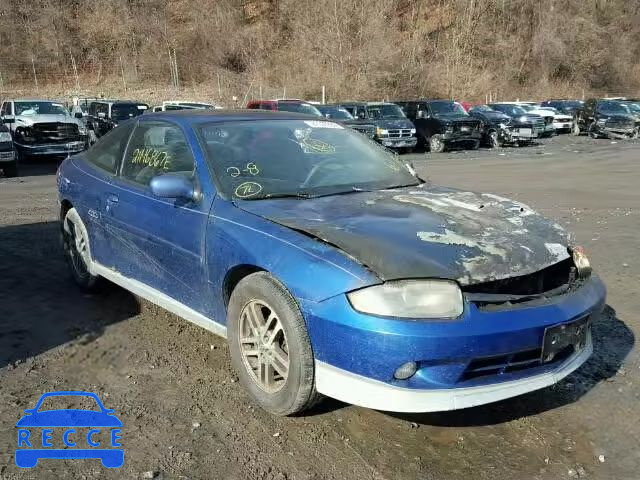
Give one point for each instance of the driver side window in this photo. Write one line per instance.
(156, 148)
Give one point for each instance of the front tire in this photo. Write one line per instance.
(10, 169)
(494, 139)
(75, 241)
(269, 345)
(436, 143)
(575, 128)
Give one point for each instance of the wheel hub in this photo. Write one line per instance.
(263, 345)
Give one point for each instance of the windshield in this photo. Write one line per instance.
(272, 158)
(123, 111)
(512, 110)
(385, 111)
(447, 108)
(613, 107)
(40, 108)
(482, 108)
(299, 108)
(338, 113)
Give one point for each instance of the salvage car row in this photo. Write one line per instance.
(38, 127)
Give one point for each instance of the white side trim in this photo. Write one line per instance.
(159, 298)
(366, 392)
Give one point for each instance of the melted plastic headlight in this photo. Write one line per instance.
(428, 299)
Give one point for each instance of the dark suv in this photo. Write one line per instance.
(341, 114)
(393, 129)
(602, 117)
(442, 123)
(297, 106)
(105, 115)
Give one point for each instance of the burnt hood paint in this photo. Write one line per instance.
(426, 232)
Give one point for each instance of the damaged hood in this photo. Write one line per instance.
(29, 120)
(426, 232)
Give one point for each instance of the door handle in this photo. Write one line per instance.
(112, 200)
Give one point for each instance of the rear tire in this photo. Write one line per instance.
(436, 143)
(270, 347)
(75, 241)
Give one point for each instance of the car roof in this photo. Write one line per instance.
(213, 116)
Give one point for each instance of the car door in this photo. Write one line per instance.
(161, 241)
(101, 165)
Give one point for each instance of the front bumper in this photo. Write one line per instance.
(562, 125)
(402, 142)
(618, 132)
(462, 136)
(357, 354)
(7, 156)
(68, 148)
(358, 390)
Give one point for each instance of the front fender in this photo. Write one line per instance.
(309, 268)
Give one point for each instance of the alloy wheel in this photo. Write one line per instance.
(263, 345)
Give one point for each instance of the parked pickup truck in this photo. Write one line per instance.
(107, 114)
(43, 127)
(442, 123)
(341, 114)
(601, 117)
(393, 129)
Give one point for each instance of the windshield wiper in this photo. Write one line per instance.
(283, 195)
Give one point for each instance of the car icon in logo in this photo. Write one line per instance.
(33, 446)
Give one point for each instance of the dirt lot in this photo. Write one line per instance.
(185, 415)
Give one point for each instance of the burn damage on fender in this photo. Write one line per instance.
(427, 231)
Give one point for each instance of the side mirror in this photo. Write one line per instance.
(8, 120)
(101, 115)
(78, 115)
(173, 186)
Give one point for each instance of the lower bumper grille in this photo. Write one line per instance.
(510, 363)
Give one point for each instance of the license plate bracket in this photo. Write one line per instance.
(558, 338)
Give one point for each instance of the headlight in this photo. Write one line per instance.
(410, 299)
(522, 119)
(601, 121)
(82, 130)
(5, 137)
(413, 131)
(503, 125)
(381, 132)
(449, 128)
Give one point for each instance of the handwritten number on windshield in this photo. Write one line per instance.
(251, 169)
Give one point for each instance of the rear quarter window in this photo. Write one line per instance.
(107, 152)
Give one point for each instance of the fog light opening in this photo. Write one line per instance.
(405, 371)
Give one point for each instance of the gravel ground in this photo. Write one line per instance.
(186, 416)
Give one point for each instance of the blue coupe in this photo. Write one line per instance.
(329, 266)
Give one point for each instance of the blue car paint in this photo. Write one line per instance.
(186, 251)
(443, 349)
